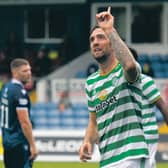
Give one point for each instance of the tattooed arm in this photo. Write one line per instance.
(125, 57)
(106, 21)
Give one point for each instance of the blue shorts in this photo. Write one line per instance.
(17, 156)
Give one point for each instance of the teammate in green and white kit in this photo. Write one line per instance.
(151, 97)
(114, 100)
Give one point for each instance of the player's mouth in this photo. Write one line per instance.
(97, 51)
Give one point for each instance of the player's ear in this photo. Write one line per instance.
(14, 72)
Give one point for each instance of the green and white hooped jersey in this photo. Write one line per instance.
(118, 113)
(150, 95)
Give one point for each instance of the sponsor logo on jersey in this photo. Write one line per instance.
(106, 103)
(4, 101)
(23, 101)
(23, 91)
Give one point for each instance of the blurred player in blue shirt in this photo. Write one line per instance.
(18, 141)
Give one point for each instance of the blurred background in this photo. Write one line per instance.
(54, 36)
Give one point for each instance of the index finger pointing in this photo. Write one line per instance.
(109, 9)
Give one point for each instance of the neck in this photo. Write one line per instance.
(16, 81)
(108, 65)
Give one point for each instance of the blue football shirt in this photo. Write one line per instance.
(13, 97)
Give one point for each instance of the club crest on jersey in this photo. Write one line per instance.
(114, 81)
(23, 91)
(103, 95)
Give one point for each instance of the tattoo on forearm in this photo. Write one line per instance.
(124, 56)
(120, 49)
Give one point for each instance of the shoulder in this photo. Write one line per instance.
(93, 77)
(146, 79)
(17, 89)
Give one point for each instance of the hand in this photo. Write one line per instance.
(33, 153)
(105, 20)
(85, 152)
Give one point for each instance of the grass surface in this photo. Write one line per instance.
(74, 165)
(162, 165)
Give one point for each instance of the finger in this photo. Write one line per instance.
(89, 150)
(100, 18)
(109, 9)
(85, 157)
(101, 14)
(31, 157)
(98, 15)
(88, 157)
(83, 160)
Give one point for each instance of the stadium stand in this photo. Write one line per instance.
(159, 64)
(47, 116)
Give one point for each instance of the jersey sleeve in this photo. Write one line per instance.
(21, 99)
(150, 90)
(138, 77)
(139, 72)
(90, 102)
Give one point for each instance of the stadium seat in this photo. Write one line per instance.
(48, 116)
(67, 122)
(155, 58)
(157, 66)
(159, 74)
(143, 58)
(80, 74)
(81, 123)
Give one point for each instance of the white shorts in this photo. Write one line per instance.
(132, 163)
(152, 154)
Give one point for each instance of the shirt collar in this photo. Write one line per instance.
(16, 81)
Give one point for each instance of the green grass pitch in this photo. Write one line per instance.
(74, 165)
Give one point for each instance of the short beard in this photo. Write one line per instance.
(102, 59)
(24, 82)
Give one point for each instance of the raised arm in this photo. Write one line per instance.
(106, 21)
